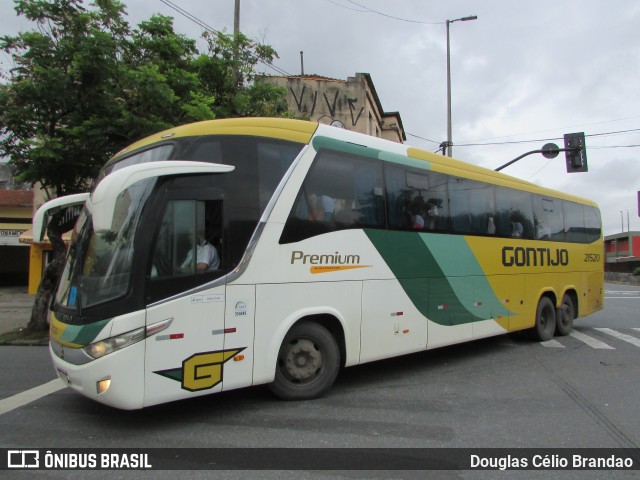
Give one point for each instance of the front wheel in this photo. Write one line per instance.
(545, 325)
(308, 363)
(566, 315)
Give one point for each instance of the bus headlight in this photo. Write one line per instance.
(110, 345)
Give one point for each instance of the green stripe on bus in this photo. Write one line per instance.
(457, 261)
(83, 334)
(319, 142)
(443, 290)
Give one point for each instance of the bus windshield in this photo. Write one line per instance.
(99, 264)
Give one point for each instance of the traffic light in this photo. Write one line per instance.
(575, 152)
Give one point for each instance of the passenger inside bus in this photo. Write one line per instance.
(517, 230)
(433, 213)
(491, 226)
(207, 258)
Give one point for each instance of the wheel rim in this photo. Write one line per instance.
(543, 319)
(544, 322)
(567, 312)
(302, 361)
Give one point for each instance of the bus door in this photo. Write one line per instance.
(186, 293)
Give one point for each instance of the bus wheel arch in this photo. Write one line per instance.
(309, 358)
(545, 320)
(566, 313)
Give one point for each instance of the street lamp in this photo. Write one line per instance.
(449, 142)
(622, 219)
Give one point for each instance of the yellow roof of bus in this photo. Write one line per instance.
(281, 128)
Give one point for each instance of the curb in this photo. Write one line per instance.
(24, 342)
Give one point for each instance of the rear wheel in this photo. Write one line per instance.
(308, 363)
(565, 316)
(545, 325)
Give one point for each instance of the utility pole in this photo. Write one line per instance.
(236, 33)
(449, 139)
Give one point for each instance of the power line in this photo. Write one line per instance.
(369, 10)
(538, 140)
(210, 29)
(348, 8)
(423, 138)
(190, 16)
(565, 128)
(600, 147)
(614, 133)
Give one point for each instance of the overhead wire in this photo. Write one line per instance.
(370, 10)
(210, 29)
(537, 140)
(556, 129)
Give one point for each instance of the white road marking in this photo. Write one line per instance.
(552, 344)
(611, 294)
(622, 336)
(592, 342)
(28, 396)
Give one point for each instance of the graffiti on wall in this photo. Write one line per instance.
(334, 104)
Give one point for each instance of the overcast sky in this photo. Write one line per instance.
(521, 71)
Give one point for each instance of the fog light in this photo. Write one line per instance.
(103, 385)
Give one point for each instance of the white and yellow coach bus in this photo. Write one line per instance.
(326, 249)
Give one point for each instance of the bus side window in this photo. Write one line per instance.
(437, 203)
(398, 198)
(416, 200)
(459, 203)
(547, 215)
(574, 228)
(340, 192)
(593, 224)
(514, 213)
(473, 206)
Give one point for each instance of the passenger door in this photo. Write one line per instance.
(187, 357)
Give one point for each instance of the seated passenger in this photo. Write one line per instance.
(207, 258)
(517, 230)
(491, 227)
(432, 213)
(328, 207)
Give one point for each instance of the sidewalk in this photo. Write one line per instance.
(15, 308)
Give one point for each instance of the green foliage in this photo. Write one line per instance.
(84, 84)
(636, 272)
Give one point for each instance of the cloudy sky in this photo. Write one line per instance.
(523, 74)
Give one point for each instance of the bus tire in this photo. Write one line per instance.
(545, 325)
(308, 363)
(565, 316)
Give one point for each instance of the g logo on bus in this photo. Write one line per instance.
(201, 371)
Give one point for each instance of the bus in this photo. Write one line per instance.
(325, 249)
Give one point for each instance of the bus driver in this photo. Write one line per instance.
(207, 258)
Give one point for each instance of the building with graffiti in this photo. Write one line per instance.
(352, 104)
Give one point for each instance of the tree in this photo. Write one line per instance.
(84, 85)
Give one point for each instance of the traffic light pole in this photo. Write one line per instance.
(574, 146)
(549, 153)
